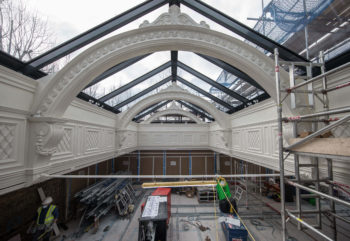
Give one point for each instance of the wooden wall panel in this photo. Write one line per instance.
(158, 165)
(133, 165)
(185, 165)
(92, 171)
(146, 165)
(103, 168)
(78, 184)
(122, 163)
(198, 165)
(225, 164)
(172, 165)
(210, 165)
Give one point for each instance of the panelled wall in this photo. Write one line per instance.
(89, 135)
(18, 208)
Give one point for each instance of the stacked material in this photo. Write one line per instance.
(206, 194)
(101, 197)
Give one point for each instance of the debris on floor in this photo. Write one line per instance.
(197, 224)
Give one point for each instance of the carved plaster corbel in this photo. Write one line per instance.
(222, 139)
(48, 133)
(122, 138)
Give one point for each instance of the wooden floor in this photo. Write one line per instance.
(263, 221)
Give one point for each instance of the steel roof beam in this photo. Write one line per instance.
(257, 99)
(212, 82)
(116, 69)
(174, 59)
(138, 95)
(201, 113)
(205, 93)
(15, 64)
(92, 100)
(95, 33)
(155, 107)
(231, 69)
(135, 82)
(242, 30)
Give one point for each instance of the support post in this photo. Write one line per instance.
(113, 168)
(215, 166)
(138, 164)
(280, 144)
(190, 164)
(297, 176)
(306, 32)
(331, 202)
(164, 163)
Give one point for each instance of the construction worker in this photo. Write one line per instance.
(46, 216)
(225, 197)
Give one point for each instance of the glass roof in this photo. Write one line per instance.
(283, 23)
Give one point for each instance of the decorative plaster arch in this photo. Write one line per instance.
(173, 92)
(176, 111)
(174, 33)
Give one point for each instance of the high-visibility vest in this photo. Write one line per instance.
(48, 217)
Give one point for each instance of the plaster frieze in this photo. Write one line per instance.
(173, 110)
(174, 16)
(48, 133)
(173, 92)
(68, 82)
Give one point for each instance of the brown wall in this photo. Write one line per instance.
(225, 164)
(18, 208)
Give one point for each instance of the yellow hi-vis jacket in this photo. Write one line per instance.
(49, 216)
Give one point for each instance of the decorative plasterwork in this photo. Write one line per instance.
(173, 110)
(7, 140)
(48, 134)
(173, 92)
(69, 81)
(174, 16)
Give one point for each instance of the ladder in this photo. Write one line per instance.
(294, 92)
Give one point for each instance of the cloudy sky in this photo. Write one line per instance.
(69, 18)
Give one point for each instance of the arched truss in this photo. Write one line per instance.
(173, 112)
(173, 92)
(179, 34)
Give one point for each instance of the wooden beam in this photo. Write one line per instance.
(326, 146)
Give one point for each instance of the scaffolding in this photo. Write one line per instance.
(312, 93)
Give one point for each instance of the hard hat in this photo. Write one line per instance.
(47, 201)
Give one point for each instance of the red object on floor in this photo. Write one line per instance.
(164, 191)
(142, 207)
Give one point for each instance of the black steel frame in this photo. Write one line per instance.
(150, 110)
(205, 93)
(231, 69)
(196, 110)
(115, 69)
(135, 82)
(212, 82)
(138, 95)
(32, 68)
(242, 30)
(95, 33)
(174, 64)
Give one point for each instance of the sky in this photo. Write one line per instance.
(67, 18)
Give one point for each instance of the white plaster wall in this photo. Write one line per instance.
(82, 111)
(90, 134)
(17, 91)
(173, 136)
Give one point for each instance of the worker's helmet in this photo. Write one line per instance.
(47, 201)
